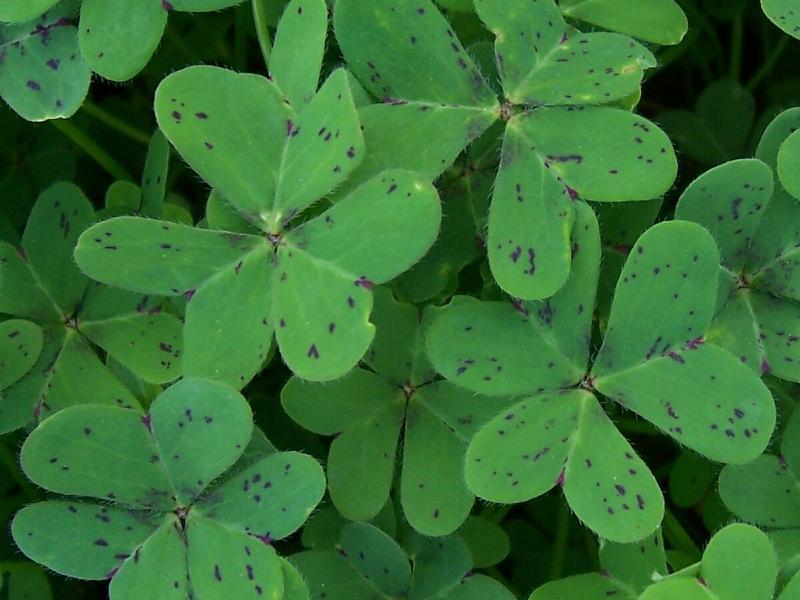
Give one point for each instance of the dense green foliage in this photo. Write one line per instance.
(425, 299)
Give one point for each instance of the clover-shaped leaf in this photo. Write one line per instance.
(550, 153)
(754, 221)
(497, 348)
(292, 161)
(42, 283)
(170, 532)
(42, 73)
(371, 563)
(368, 409)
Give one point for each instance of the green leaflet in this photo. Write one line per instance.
(271, 498)
(21, 293)
(157, 567)
(729, 201)
(397, 352)
(16, 11)
(234, 156)
(690, 479)
(637, 565)
(440, 564)
(221, 216)
(222, 559)
(606, 484)
(385, 55)
(733, 427)
(398, 208)
(160, 258)
(154, 177)
(59, 216)
(323, 147)
(765, 491)
(729, 577)
(294, 586)
(783, 14)
(118, 41)
(203, 5)
(62, 456)
(656, 21)
(562, 69)
(421, 151)
(20, 346)
(377, 557)
(80, 539)
(677, 587)
(297, 53)
(788, 159)
(319, 340)
(134, 330)
(42, 76)
(604, 154)
(539, 21)
(588, 586)
(488, 543)
(226, 340)
(327, 572)
(200, 428)
(530, 221)
(440, 421)
(660, 272)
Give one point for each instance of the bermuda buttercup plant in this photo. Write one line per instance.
(400, 299)
(41, 283)
(649, 362)
(171, 529)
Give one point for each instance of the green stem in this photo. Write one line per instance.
(262, 29)
(768, 64)
(115, 123)
(678, 538)
(560, 542)
(9, 461)
(92, 149)
(737, 36)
